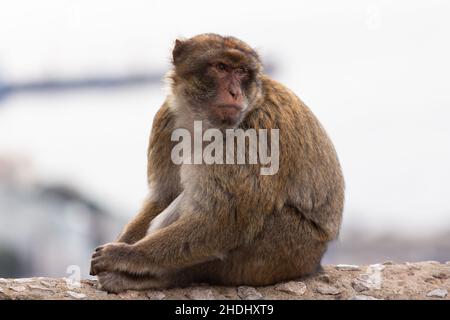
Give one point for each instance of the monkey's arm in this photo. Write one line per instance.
(194, 238)
(163, 177)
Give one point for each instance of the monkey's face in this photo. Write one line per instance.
(217, 78)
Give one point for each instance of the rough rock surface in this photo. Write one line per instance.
(421, 280)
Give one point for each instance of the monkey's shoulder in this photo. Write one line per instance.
(164, 117)
(280, 108)
(300, 131)
(162, 127)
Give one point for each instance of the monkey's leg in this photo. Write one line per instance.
(167, 216)
(183, 243)
(288, 247)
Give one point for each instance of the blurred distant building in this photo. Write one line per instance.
(84, 83)
(46, 228)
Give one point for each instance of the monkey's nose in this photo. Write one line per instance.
(235, 93)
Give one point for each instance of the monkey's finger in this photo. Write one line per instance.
(99, 248)
(96, 254)
(95, 270)
(92, 271)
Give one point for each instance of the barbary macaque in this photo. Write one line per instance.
(223, 223)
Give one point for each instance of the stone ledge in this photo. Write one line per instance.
(421, 280)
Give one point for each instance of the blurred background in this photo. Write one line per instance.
(80, 82)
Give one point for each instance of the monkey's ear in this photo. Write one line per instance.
(178, 50)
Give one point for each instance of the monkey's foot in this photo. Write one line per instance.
(116, 282)
(111, 282)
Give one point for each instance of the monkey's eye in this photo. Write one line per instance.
(241, 72)
(222, 67)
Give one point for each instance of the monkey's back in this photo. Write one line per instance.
(309, 171)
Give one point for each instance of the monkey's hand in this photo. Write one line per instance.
(109, 256)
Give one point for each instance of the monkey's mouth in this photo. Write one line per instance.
(236, 107)
(228, 113)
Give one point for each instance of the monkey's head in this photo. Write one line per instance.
(215, 79)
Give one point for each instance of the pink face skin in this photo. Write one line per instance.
(230, 101)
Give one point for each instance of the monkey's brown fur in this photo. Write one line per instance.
(235, 226)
